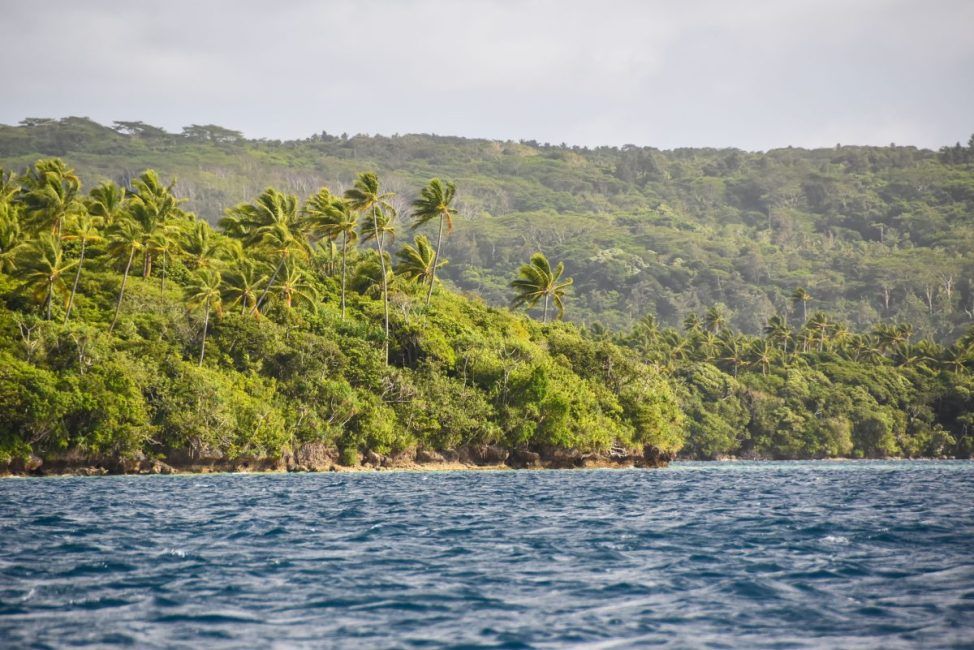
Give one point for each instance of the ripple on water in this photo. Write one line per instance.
(700, 555)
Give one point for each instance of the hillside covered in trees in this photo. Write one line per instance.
(310, 330)
(874, 235)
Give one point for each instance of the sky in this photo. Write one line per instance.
(754, 74)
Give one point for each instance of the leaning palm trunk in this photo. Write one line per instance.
(74, 286)
(206, 323)
(344, 248)
(546, 296)
(121, 292)
(50, 299)
(270, 283)
(385, 285)
(436, 257)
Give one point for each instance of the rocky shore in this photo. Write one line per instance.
(321, 458)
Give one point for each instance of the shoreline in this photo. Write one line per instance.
(316, 458)
(159, 468)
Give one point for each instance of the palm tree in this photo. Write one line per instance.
(382, 230)
(333, 218)
(777, 331)
(201, 245)
(162, 244)
(294, 286)
(83, 229)
(281, 243)
(43, 269)
(692, 323)
(886, 337)
(242, 285)
(204, 291)
(734, 348)
(802, 296)
(11, 238)
(124, 241)
(912, 356)
(434, 203)
(762, 353)
(538, 280)
(157, 211)
(956, 358)
(366, 197)
(819, 327)
(903, 333)
(419, 262)
(715, 319)
(271, 223)
(9, 186)
(50, 194)
(705, 345)
(106, 201)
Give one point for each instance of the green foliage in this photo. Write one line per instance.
(243, 344)
(872, 234)
(825, 296)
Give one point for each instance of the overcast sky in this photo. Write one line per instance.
(751, 74)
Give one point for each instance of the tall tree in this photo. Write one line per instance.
(537, 280)
(50, 194)
(715, 319)
(777, 331)
(801, 296)
(367, 198)
(107, 201)
(11, 237)
(294, 286)
(332, 217)
(271, 224)
(435, 202)
(201, 246)
(242, 285)
(156, 209)
(124, 241)
(43, 268)
(418, 262)
(83, 228)
(204, 292)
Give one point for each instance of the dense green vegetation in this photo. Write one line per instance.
(874, 234)
(128, 325)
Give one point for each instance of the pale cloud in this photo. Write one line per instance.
(754, 74)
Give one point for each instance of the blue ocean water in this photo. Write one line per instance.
(723, 555)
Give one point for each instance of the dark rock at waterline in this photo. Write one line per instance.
(483, 455)
(312, 456)
(26, 465)
(190, 458)
(450, 455)
(562, 458)
(523, 458)
(405, 458)
(429, 456)
(372, 458)
(159, 467)
(654, 457)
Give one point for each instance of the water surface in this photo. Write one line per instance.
(778, 555)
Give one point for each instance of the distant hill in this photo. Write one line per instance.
(873, 233)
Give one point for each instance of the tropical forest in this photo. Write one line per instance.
(176, 300)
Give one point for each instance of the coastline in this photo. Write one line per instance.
(316, 458)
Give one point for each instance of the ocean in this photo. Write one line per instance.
(851, 554)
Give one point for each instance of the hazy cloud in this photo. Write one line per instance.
(754, 74)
